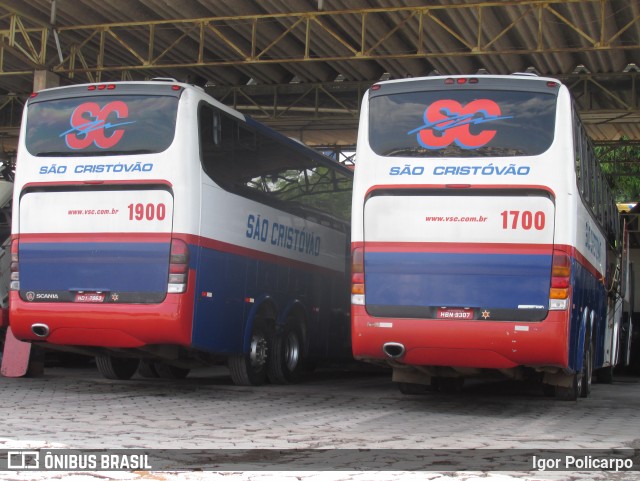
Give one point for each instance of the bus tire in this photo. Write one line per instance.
(570, 393)
(286, 362)
(587, 371)
(605, 375)
(167, 371)
(147, 369)
(627, 335)
(448, 384)
(548, 390)
(121, 368)
(575, 388)
(250, 368)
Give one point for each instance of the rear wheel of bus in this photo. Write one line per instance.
(147, 369)
(250, 368)
(286, 362)
(581, 381)
(116, 367)
(587, 371)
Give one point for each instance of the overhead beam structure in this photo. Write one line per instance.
(214, 41)
(401, 39)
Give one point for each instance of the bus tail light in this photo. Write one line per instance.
(178, 267)
(15, 268)
(560, 281)
(357, 276)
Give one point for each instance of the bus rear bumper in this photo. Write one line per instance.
(96, 325)
(461, 344)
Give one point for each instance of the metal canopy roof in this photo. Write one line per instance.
(302, 65)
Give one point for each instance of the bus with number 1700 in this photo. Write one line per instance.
(484, 236)
(159, 230)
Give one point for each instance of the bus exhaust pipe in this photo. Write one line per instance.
(394, 350)
(40, 330)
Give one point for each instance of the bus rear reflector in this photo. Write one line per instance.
(178, 267)
(560, 281)
(357, 276)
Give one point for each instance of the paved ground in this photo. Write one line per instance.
(335, 411)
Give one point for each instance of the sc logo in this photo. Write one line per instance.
(89, 123)
(448, 121)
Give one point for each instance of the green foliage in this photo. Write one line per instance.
(318, 189)
(621, 165)
(323, 189)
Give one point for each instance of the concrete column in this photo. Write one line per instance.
(43, 79)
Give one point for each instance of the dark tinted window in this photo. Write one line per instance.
(105, 125)
(269, 169)
(462, 123)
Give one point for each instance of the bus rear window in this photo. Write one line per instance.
(462, 123)
(106, 125)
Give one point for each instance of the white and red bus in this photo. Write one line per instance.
(484, 236)
(159, 230)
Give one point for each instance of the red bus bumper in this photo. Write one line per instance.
(107, 325)
(468, 344)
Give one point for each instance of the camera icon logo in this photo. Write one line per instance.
(23, 459)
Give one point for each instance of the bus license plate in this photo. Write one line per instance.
(454, 314)
(89, 297)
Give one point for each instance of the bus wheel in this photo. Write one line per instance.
(605, 375)
(147, 369)
(250, 369)
(570, 393)
(548, 390)
(581, 381)
(286, 362)
(627, 335)
(167, 371)
(587, 371)
(116, 367)
(449, 384)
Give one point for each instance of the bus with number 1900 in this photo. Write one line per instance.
(159, 230)
(484, 236)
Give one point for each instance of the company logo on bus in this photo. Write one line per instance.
(448, 121)
(90, 125)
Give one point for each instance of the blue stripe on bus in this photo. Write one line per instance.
(109, 266)
(457, 280)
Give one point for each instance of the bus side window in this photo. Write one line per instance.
(213, 139)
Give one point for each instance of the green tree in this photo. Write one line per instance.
(621, 164)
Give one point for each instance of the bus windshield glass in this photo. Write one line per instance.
(105, 125)
(462, 123)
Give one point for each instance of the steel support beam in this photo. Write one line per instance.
(187, 43)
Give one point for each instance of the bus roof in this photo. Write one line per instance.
(518, 77)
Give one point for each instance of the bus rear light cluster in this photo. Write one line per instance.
(178, 267)
(560, 281)
(102, 87)
(15, 268)
(460, 81)
(357, 276)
